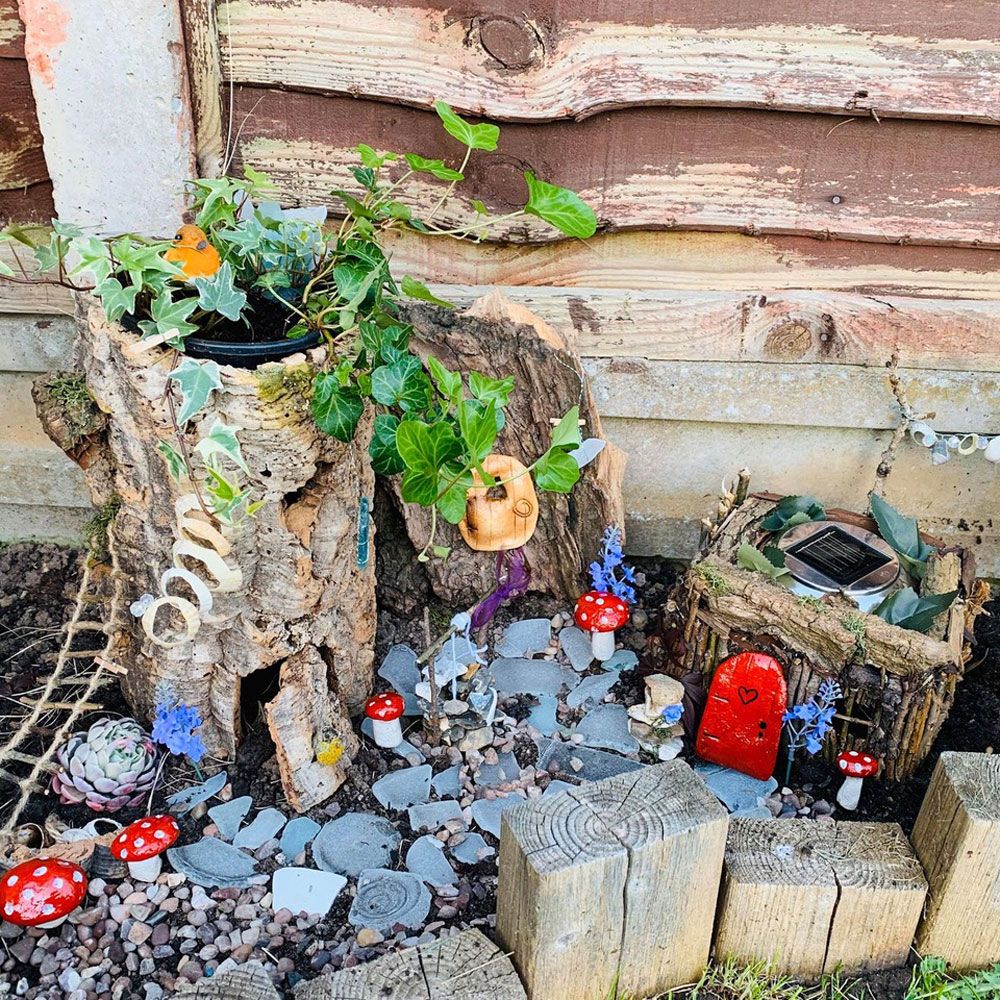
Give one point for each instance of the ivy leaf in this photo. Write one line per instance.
(485, 388)
(449, 383)
(353, 206)
(478, 425)
(479, 208)
(436, 168)
(383, 451)
(170, 315)
(566, 434)
(453, 493)
(751, 558)
(216, 197)
(196, 381)
(372, 159)
(556, 471)
(902, 533)
(906, 609)
(335, 408)
(221, 440)
(401, 384)
(174, 460)
(482, 136)
(219, 294)
(94, 256)
(559, 207)
(426, 447)
(116, 298)
(418, 290)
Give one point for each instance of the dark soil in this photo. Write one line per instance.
(37, 584)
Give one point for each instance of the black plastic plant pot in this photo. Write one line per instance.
(248, 355)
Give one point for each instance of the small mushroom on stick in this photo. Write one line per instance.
(855, 766)
(600, 613)
(385, 711)
(141, 844)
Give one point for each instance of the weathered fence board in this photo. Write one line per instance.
(957, 838)
(672, 168)
(810, 897)
(556, 60)
(22, 162)
(594, 884)
(11, 31)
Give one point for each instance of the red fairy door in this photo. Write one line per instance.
(741, 725)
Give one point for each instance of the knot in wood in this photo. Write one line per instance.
(512, 42)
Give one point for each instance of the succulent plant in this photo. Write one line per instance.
(110, 766)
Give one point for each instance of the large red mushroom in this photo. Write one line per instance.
(41, 892)
(385, 711)
(141, 844)
(601, 613)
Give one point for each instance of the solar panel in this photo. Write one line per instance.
(839, 556)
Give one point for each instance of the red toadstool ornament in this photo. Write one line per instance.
(141, 844)
(41, 892)
(385, 710)
(600, 614)
(855, 766)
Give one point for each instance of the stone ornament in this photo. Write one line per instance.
(500, 517)
(656, 722)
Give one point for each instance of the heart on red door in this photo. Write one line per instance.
(747, 695)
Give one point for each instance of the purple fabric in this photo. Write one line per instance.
(512, 577)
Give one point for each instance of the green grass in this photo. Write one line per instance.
(931, 981)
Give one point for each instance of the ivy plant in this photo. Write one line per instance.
(247, 267)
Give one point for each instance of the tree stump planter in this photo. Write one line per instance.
(899, 685)
(301, 601)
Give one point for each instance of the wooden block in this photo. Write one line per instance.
(957, 838)
(614, 879)
(809, 896)
(464, 967)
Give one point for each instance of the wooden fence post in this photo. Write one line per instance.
(957, 838)
(614, 881)
(809, 896)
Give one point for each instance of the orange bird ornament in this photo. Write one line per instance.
(196, 257)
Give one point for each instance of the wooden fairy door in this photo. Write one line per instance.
(741, 725)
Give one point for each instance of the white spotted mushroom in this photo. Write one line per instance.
(855, 766)
(41, 892)
(141, 844)
(600, 613)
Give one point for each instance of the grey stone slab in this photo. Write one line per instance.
(187, 798)
(576, 645)
(403, 788)
(400, 669)
(592, 688)
(426, 860)
(213, 863)
(509, 765)
(734, 789)
(527, 676)
(753, 812)
(486, 812)
(472, 850)
(265, 827)
(386, 898)
(305, 890)
(448, 782)
(555, 786)
(606, 727)
(353, 842)
(433, 815)
(489, 776)
(297, 835)
(404, 749)
(525, 638)
(623, 659)
(543, 715)
(229, 815)
(594, 764)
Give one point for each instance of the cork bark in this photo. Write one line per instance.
(302, 591)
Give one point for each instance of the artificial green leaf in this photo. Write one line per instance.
(902, 533)
(559, 207)
(478, 425)
(566, 434)
(383, 451)
(482, 136)
(485, 388)
(196, 381)
(335, 408)
(792, 510)
(426, 447)
(221, 440)
(170, 314)
(453, 489)
(751, 558)
(219, 294)
(906, 609)
(174, 460)
(449, 383)
(556, 471)
(418, 290)
(435, 168)
(94, 257)
(115, 298)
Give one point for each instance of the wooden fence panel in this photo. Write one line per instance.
(550, 60)
(661, 168)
